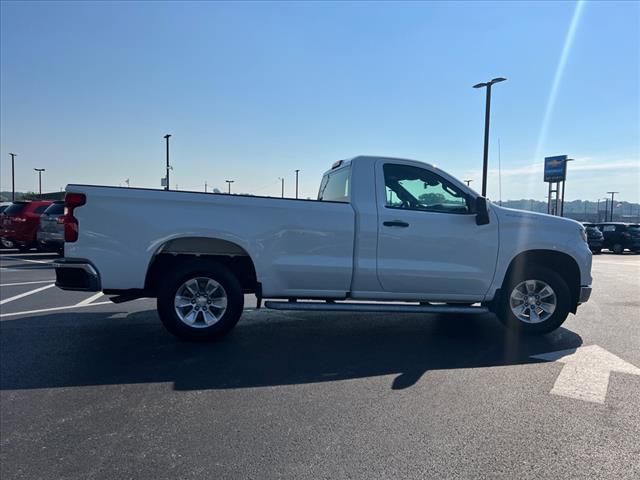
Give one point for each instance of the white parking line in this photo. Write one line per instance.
(633, 264)
(43, 310)
(25, 294)
(89, 300)
(23, 283)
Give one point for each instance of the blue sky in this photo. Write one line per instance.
(252, 91)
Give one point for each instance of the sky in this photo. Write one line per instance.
(252, 91)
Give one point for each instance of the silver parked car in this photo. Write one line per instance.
(51, 230)
(4, 243)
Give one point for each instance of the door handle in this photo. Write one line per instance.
(395, 223)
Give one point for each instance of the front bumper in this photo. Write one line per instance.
(585, 294)
(595, 242)
(77, 274)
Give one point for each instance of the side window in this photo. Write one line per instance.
(415, 188)
(336, 186)
(609, 228)
(40, 209)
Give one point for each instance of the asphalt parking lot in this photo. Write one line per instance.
(90, 389)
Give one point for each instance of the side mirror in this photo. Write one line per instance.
(482, 214)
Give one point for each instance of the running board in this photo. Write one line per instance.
(372, 307)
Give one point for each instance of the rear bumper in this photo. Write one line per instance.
(585, 294)
(50, 237)
(77, 274)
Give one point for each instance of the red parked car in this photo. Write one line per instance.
(20, 222)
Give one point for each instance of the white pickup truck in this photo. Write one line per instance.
(384, 235)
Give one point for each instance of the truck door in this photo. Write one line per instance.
(428, 241)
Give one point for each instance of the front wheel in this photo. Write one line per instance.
(200, 302)
(535, 301)
(617, 249)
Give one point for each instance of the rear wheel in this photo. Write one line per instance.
(200, 301)
(535, 301)
(617, 248)
(596, 251)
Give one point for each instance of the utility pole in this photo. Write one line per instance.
(282, 182)
(487, 116)
(297, 171)
(13, 178)
(229, 182)
(205, 187)
(39, 170)
(166, 137)
(468, 182)
(613, 194)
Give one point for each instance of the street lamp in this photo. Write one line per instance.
(13, 178)
(297, 171)
(468, 182)
(39, 170)
(282, 183)
(487, 115)
(613, 194)
(229, 182)
(563, 186)
(166, 137)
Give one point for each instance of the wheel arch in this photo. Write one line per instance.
(209, 249)
(561, 263)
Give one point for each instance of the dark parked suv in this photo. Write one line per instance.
(595, 238)
(20, 222)
(51, 231)
(619, 237)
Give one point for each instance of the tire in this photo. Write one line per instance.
(617, 249)
(596, 251)
(200, 329)
(24, 248)
(561, 299)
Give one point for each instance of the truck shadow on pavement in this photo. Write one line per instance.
(265, 349)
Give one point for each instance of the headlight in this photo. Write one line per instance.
(583, 235)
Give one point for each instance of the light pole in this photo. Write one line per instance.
(166, 137)
(39, 170)
(13, 178)
(563, 186)
(229, 182)
(297, 171)
(487, 115)
(468, 182)
(282, 183)
(613, 194)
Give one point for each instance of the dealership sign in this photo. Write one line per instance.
(555, 168)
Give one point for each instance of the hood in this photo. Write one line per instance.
(534, 219)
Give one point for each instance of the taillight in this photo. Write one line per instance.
(60, 219)
(19, 219)
(72, 201)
